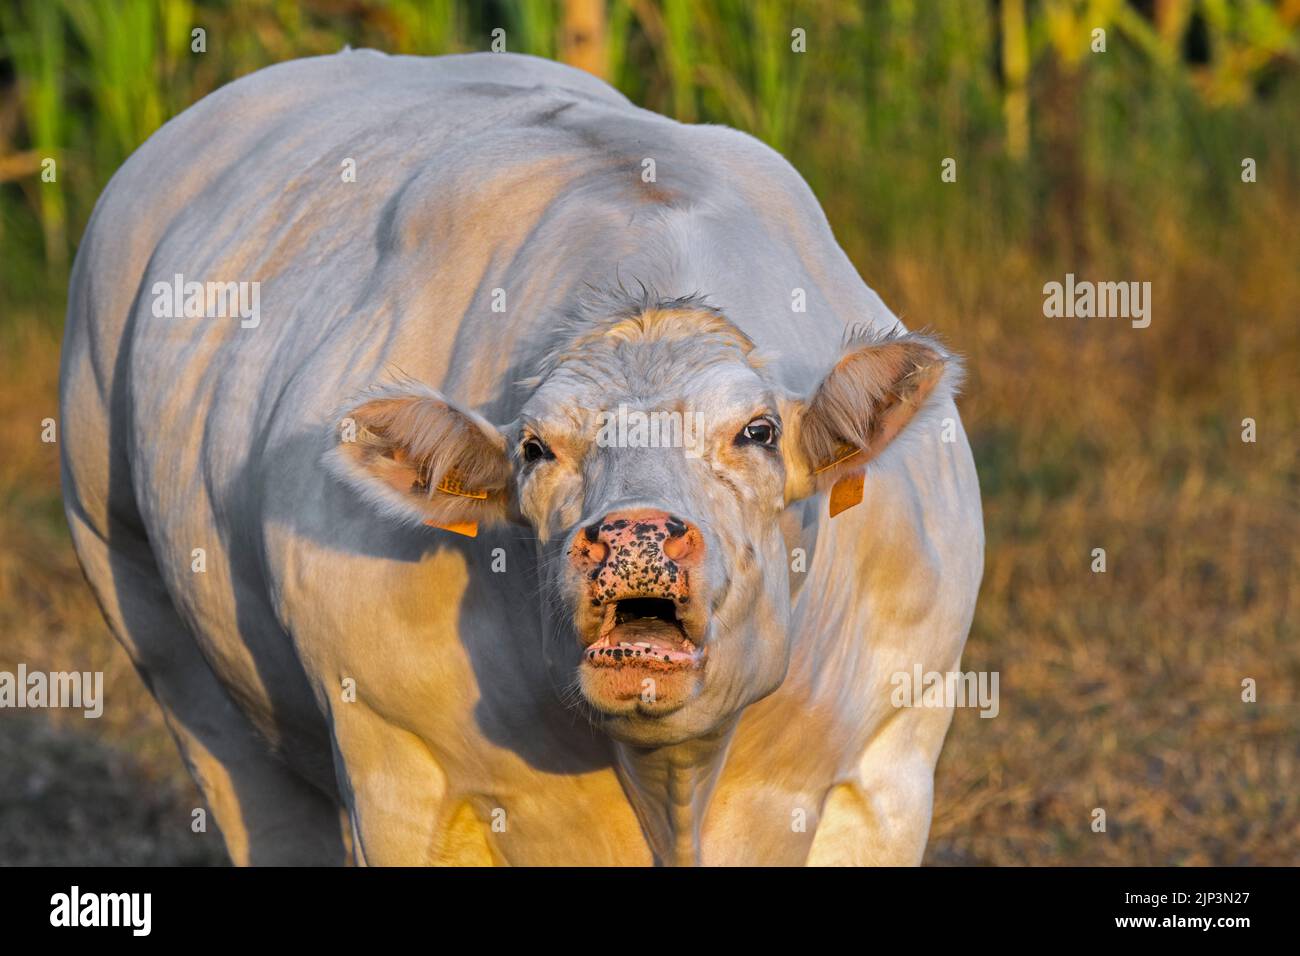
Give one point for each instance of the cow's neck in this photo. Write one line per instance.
(670, 787)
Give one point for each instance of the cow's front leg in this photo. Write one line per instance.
(879, 827)
(398, 800)
(881, 817)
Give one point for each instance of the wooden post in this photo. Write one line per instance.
(582, 42)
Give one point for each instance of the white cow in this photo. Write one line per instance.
(349, 311)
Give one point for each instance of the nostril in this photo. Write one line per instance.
(680, 546)
(589, 552)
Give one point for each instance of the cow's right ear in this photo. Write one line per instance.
(420, 458)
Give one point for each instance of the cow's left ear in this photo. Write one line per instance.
(420, 458)
(876, 389)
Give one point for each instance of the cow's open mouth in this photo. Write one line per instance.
(643, 631)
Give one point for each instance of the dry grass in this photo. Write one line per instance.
(1123, 690)
(73, 790)
(1119, 691)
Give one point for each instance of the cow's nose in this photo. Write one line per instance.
(642, 551)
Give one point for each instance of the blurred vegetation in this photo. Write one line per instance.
(1120, 690)
(1061, 145)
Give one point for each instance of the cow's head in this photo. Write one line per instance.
(653, 459)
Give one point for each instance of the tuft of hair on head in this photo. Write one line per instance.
(618, 315)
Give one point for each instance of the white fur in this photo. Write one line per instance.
(475, 173)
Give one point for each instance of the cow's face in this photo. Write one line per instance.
(653, 459)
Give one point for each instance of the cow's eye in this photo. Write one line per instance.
(761, 431)
(535, 449)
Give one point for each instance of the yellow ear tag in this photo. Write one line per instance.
(452, 485)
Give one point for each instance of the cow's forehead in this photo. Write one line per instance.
(667, 359)
(724, 389)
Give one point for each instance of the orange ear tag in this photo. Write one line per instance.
(468, 528)
(452, 485)
(846, 493)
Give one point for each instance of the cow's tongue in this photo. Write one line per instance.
(648, 630)
(640, 638)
